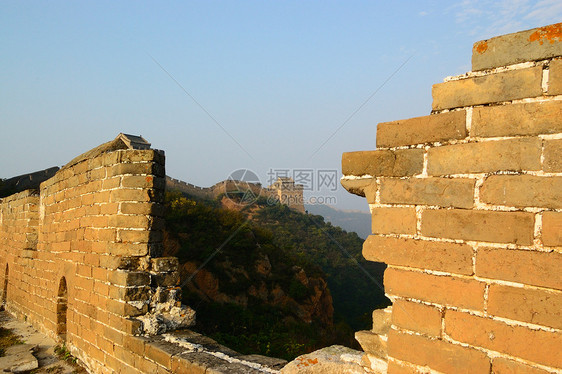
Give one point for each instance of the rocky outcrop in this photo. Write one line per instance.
(316, 305)
(336, 359)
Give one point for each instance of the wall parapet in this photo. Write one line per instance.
(466, 212)
(80, 257)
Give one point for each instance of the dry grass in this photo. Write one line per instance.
(7, 339)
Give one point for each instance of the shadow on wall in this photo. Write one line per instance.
(62, 306)
(5, 286)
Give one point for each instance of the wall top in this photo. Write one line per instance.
(531, 45)
(122, 141)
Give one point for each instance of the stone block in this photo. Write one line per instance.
(479, 225)
(417, 317)
(382, 320)
(330, 360)
(445, 192)
(129, 278)
(165, 279)
(553, 156)
(487, 89)
(536, 44)
(524, 119)
(552, 229)
(521, 266)
(399, 163)
(372, 343)
(522, 191)
(537, 306)
(555, 77)
(486, 157)
(164, 264)
(361, 187)
(390, 220)
(502, 365)
(433, 128)
(422, 254)
(439, 289)
(436, 354)
(542, 347)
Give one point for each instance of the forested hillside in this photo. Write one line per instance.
(265, 279)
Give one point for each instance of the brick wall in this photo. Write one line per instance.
(466, 210)
(79, 258)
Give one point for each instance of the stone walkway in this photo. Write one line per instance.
(38, 351)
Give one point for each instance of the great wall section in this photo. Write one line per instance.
(466, 210)
(283, 190)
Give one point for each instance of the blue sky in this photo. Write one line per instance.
(278, 77)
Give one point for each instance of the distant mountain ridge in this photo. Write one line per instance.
(351, 221)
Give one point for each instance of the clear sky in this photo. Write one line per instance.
(265, 83)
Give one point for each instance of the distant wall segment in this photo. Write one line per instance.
(467, 213)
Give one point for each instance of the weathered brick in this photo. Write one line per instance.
(129, 278)
(187, 363)
(164, 264)
(517, 119)
(531, 305)
(371, 343)
(129, 221)
(125, 310)
(364, 187)
(132, 168)
(538, 346)
(133, 195)
(131, 326)
(139, 155)
(445, 192)
(418, 317)
(165, 279)
(399, 368)
(555, 77)
(135, 344)
(491, 88)
(135, 236)
(486, 157)
(126, 249)
(146, 366)
(138, 181)
(553, 156)
(423, 254)
(522, 266)
(157, 352)
(142, 208)
(432, 128)
(529, 45)
(399, 163)
(439, 289)
(522, 191)
(437, 354)
(382, 320)
(552, 229)
(392, 220)
(480, 225)
(502, 365)
(130, 293)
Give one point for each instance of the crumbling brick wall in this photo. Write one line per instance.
(80, 258)
(466, 210)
